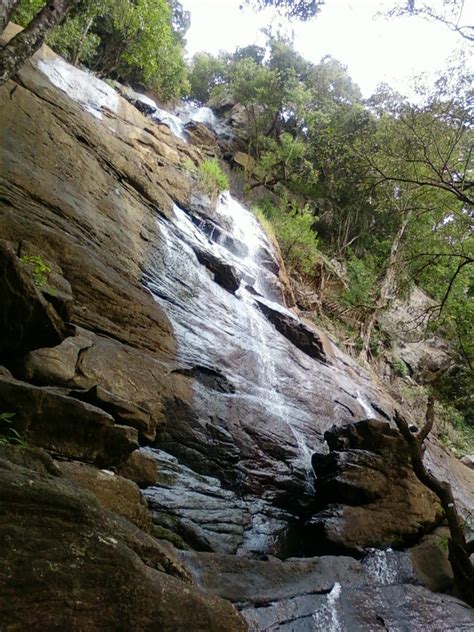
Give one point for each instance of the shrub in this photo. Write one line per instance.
(211, 178)
(38, 268)
(361, 281)
(399, 367)
(293, 229)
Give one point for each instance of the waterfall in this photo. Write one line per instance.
(83, 87)
(327, 618)
(211, 324)
(382, 566)
(365, 406)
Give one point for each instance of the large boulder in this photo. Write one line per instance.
(65, 426)
(367, 492)
(327, 593)
(116, 493)
(68, 564)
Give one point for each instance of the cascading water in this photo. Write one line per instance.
(241, 327)
(326, 617)
(228, 332)
(382, 566)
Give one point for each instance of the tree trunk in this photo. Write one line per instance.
(6, 9)
(80, 45)
(386, 285)
(459, 548)
(28, 41)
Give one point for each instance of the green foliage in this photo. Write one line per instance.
(399, 367)
(38, 269)
(293, 230)
(299, 9)
(205, 73)
(361, 282)
(211, 178)
(8, 435)
(133, 40)
(450, 424)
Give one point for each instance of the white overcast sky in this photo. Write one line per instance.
(373, 48)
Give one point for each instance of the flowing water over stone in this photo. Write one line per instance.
(273, 402)
(382, 566)
(83, 87)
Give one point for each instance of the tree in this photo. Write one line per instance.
(299, 9)
(27, 42)
(447, 12)
(460, 550)
(127, 39)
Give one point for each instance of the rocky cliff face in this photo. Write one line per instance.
(165, 323)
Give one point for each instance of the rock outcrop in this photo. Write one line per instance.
(368, 493)
(28, 321)
(327, 593)
(69, 564)
(66, 426)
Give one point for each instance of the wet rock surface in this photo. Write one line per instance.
(210, 518)
(334, 594)
(59, 547)
(369, 494)
(161, 351)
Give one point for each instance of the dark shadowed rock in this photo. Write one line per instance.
(224, 274)
(367, 491)
(27, 320)
(296, 331)
(68, 564)
(326, 594)
(65, 426)
(32, 458)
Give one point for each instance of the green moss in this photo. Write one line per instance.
(160, 533)
(38, 269)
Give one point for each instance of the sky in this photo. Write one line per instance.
(374, 49)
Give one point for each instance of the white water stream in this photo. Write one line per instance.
(237, 240)
(326, 619)
(282, 397)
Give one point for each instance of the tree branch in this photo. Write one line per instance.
(27, 42)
